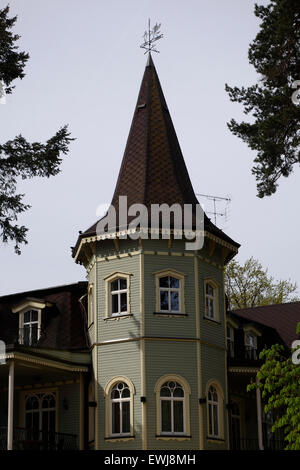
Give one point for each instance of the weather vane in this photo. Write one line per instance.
(150, 37)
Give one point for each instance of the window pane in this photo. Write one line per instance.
(126, 393)
(34, 315)
(34, 334)
(26, 334)
(174, 282)
(178, 392)
(166, 416)
(45, 422)
(124, 302)
(115, 303)
(126, 416)
(216, 424)
(175, 301)
(27, 317)
(178, 416)
(210, 419)
(164, 282)
(209, 290)
(123, 284)
(164, 300)
(114, 285)
(165, 392)
(115, 418)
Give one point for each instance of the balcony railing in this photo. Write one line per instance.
(31, 439)
(252, 444)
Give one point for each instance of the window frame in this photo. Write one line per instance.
(172, 399)
(23, 307)
(186, 407)
(120, 401)
(212, 283)
(108, 281)
(220, 410)
(255, 333)
(108, 409)
(177, 275)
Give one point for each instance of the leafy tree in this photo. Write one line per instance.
(279, 381)
(19, 158)
(249, 285)
(274, 128)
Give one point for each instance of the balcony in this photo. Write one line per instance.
(252, 444)
(31, 439)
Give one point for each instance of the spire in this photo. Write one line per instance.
(153, 170)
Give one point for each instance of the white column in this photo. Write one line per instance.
(81, 413)
(10, 421)
(259, 417)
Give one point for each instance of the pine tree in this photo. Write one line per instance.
(18, 157)
(274, 128)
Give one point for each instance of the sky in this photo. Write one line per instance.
(85, 70)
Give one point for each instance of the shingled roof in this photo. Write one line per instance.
(153, 170)
(282, 317)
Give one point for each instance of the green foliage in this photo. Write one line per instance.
(12, 62)
(19, 158)
(279, 381)
(274, 131)
(249, 285)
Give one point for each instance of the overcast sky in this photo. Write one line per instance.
(85, 70)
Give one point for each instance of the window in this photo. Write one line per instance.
(91, 304)
(213, 412)
(119, 394)
(230, 341)
(211, 299)
(30, 328)
(40, 416)
(172, 408)
(120, 410)
(117, 287)
(250, 345)
(169, 294)
(235, 422)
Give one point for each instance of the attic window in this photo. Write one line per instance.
(30, 319)
(141, 106)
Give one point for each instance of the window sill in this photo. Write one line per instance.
(215, 440)
(119, 438)
(118, 317)
(216, 322)
(173, 437)
(170, 314)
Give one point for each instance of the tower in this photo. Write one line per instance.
(156, 315)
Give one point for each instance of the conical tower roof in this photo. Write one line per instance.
(153, 170)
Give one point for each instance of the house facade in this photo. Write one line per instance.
(141, 355)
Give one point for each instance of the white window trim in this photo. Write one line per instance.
(108, 405)
(186, 406)
(91, 302)
(35, 322)
(178, 275)
(30, 304)
(215, 286)
(108, 280)
(214, 383)
(172, 399)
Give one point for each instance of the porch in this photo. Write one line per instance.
(42, 400)
(29, 439)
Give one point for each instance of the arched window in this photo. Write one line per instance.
(213, 412)
(120, 409)
(172, 403)
(40, 413)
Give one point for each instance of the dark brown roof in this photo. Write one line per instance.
(282, 317)
(153, 170)
(63, 320)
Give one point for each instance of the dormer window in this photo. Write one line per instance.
(30, 319)
(29, 333)
(250, 345)
(251, 333)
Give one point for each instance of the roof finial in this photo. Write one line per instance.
(150, 37)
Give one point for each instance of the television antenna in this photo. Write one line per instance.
(215, 200)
